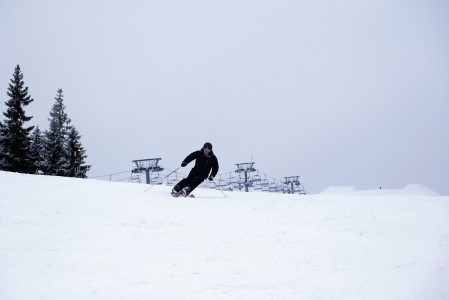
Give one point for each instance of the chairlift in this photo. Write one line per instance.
(156, 180)
(172, 182)
(238, 187)
(264, 183)
(272, 189)
(232, 180)
(256, 178)
(134, 179)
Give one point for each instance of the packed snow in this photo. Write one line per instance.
(63, 238)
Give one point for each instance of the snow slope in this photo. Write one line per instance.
(64, 238)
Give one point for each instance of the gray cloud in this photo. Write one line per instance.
(340, 93)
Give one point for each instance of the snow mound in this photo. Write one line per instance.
(338, 190)
(409, 190)
(418, 189)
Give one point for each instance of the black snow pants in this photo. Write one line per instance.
(191, 182)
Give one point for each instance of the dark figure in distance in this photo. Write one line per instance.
(206, 166)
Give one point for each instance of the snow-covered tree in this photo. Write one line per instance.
(75, 155)
(14, 136)
(55, 138)
(37, 150)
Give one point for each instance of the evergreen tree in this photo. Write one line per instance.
(75, 156)
(1, 146)
(14, 137)
(37, 151)
(55, 138)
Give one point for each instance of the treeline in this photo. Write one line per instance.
(26, 149)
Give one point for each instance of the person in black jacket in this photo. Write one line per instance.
(205, 162)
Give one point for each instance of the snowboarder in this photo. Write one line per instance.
(205, 162)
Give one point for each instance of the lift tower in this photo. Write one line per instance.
(148, 165)
(245, 168)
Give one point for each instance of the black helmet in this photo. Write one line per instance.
(207, 146)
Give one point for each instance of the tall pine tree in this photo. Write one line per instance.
(75, 155)
(14, 136)
(55, 138)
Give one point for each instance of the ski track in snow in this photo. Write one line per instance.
(87, 239)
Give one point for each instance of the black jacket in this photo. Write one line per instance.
(204, 163)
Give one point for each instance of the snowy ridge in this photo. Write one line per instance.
(63, 238)
(409, 190)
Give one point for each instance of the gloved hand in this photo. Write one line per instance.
(183, 164)
(211, 177)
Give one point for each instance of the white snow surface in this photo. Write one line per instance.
(409, 190)
(63, 238)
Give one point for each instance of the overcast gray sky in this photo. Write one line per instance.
(337, 92)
